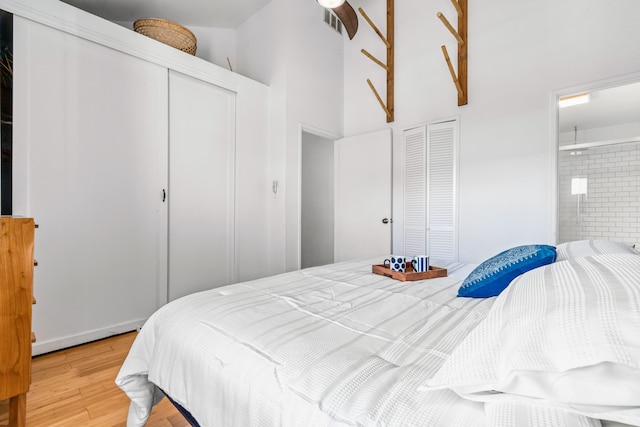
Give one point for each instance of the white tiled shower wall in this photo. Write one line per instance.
(611, 208)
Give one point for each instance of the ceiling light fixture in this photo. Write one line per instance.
(569, 101)
(330, 4)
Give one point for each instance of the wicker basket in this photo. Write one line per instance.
(167, 32)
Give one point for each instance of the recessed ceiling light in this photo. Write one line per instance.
(568, 101)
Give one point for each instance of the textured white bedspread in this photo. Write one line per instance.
(334, 345)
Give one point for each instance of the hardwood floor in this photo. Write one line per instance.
(75, 387)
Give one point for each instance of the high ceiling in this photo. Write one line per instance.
(607, 107)
(199, 13)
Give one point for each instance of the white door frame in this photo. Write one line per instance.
(554, 96)
(306, 128)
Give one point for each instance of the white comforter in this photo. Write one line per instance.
(334, 345)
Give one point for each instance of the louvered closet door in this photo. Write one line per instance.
(430, 190)
(442, 238)
(415, 191)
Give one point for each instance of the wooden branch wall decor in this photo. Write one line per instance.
(389, 65)
(459, 80)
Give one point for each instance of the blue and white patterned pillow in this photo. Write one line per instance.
(494, 275)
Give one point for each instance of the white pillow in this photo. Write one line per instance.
(583, 248)
(567, 333)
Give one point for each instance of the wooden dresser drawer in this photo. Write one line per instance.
(16, 300)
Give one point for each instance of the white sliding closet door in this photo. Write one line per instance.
(91, 144)
(430, 191)
(201, 185)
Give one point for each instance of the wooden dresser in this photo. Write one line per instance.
(16, 298)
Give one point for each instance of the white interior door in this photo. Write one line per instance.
(201, 185)
(363, 196)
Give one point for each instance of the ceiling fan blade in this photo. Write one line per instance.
(348, 17)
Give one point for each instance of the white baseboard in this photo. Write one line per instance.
(85, 337)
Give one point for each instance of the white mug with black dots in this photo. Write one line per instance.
(396, 263)
(420, 263)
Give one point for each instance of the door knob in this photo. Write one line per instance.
(386, 221)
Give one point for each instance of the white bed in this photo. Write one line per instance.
(326, 346)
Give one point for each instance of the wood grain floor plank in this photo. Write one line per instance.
(103, 407)
(75, 387)
(81, 419)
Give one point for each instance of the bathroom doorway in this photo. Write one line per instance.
(317, 200)
(599, 163)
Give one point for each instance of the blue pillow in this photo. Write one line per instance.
(494, 275)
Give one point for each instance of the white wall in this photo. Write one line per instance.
(519, 54)
(216, 45)
(288, 46)
(261, 56)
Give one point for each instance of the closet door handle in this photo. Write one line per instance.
(164, 195)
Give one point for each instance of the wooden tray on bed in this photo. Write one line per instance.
(410, 275)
